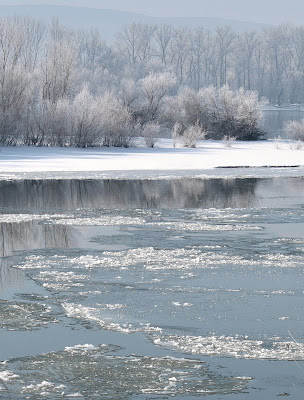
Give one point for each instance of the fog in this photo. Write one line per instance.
(269, 11)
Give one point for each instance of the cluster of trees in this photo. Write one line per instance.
(270, 60)
(70, 88)
(218, 112)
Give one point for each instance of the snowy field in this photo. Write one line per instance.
(162, 161)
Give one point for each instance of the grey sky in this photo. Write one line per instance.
(266, 11)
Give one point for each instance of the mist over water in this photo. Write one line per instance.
(192, 286)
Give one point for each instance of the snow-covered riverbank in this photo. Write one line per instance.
(162, 161)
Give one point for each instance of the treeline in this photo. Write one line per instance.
(269, 61)
(64, 87)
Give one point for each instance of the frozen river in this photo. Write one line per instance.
(152, 289)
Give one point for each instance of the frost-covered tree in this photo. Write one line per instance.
(164, 35)
(295, 130)
(134, 42)
(246, 47)
(50, 124)
(177, 131)
(180, 50)
(34, 34)
(191, 135)
(15, 81)
(128, 92)
(58, 70)
(86, 120)
(153, 90)
(225, 38)
(220, 112)
(161, 76)
(91, 49)
(150, 132)
(277, 46)
(115, 121)
(191, 108)
(236, 113)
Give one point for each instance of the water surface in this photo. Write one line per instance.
(152, 289)
(274, 120)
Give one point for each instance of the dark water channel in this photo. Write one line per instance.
(152, 289)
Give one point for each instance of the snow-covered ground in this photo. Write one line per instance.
(162, 161)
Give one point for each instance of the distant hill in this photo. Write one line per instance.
(109, 22)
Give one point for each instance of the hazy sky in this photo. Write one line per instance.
(266, 11)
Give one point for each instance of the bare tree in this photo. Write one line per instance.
(180, 52)
(35, 33)
(277, 45)
(135, 42)
(245, 49)
(164, 35)
(225, 38)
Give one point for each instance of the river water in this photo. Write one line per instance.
(275, 119)
(152, 289)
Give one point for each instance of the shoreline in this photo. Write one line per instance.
(210, 159)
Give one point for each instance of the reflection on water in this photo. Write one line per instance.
(126, 194)
(10, 278)
(74, 194)
(27, 235)
(182, 193)
(193, 268)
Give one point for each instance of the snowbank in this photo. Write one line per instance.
(162, 161)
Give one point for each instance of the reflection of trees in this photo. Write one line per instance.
(179, 193)
(280, 188)
(9, 277)
(215, 193)
(27, 235)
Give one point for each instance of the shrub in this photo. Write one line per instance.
(222, 112)
(228, 140)
(176, 133)
(192, 135)
(150, 133)
(295, 130)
